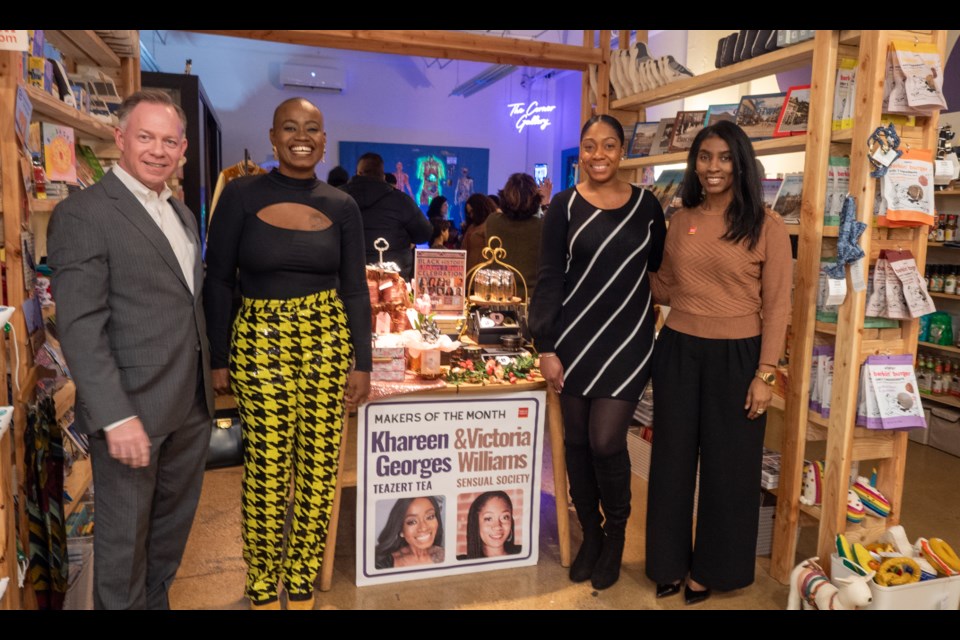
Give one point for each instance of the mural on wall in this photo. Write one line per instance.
(424, 172)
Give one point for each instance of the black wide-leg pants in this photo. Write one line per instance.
(699, 391)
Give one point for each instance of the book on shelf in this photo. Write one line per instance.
(795, 112)
(644, 135)
(843, 94)
(787, 203)
(838, 185)
(661, 139)
(57, 149)
(686, 126)
(771, 187)
(757, 114)
(718, 112)
(666, 188)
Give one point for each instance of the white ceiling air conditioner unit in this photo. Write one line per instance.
(299, 76)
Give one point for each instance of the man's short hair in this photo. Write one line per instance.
(371, 165)
(152, 96)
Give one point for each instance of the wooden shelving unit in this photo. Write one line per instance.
(938, 347)
(947, 400)
(845, 443)
(79, 47)
(774, 146)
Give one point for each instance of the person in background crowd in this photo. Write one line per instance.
(518, 224)
(439, 208)
(726, 275)
(337, 176)
(441, 232)
(477, 208)
(387, 213)
(127, 278)
(592, 321)
(298, 350)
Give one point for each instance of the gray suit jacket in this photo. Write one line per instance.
(132, 333)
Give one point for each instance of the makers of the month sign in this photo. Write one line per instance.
(448, 485)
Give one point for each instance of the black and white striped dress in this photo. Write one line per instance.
(592, 305)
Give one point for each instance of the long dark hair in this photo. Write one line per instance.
(390, 540)
(477, 208)
(474, 543)
(744, 217)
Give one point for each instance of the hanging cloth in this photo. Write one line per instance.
(245, 168)
(44, 492)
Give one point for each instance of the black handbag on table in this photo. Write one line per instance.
(226, 443)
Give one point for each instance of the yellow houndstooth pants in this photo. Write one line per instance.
(289, 361)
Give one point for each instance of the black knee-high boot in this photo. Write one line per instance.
(613, 477)
(586, 499)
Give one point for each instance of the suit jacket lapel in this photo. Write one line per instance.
(128, 205)
(190, 224)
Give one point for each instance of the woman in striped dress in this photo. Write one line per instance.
(592, 319)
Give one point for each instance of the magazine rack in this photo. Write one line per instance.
(492, 305)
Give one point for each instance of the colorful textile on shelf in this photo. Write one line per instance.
(43, 480)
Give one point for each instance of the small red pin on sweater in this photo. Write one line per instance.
(691, 231)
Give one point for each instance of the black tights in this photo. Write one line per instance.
(600, 423)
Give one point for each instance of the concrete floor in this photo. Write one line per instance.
(212, 573)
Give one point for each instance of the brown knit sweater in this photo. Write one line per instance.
(718, 289)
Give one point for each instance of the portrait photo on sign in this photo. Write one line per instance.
(409, 532)
(489, 524)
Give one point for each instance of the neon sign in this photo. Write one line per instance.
(530, 115)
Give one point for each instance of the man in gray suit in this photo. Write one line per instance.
(127, 279)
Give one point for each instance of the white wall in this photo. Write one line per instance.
(388, 98)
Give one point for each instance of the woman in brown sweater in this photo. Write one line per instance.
(726, 276)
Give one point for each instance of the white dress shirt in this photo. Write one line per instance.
(164, 215)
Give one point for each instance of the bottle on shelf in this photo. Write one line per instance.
(930, 373)
(39, 178)
(951, 232)
(932, 233)
(950, 281)
(941, 228)
(938, 378)
(955, 380)
(923, 379)
(936, 280)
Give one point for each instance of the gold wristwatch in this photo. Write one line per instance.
(767, 376)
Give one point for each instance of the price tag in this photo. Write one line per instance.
(885, 158)
(857, 277)
(836, 292)
(944, 169)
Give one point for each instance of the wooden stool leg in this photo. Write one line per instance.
(326, 568)
(555, 424)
